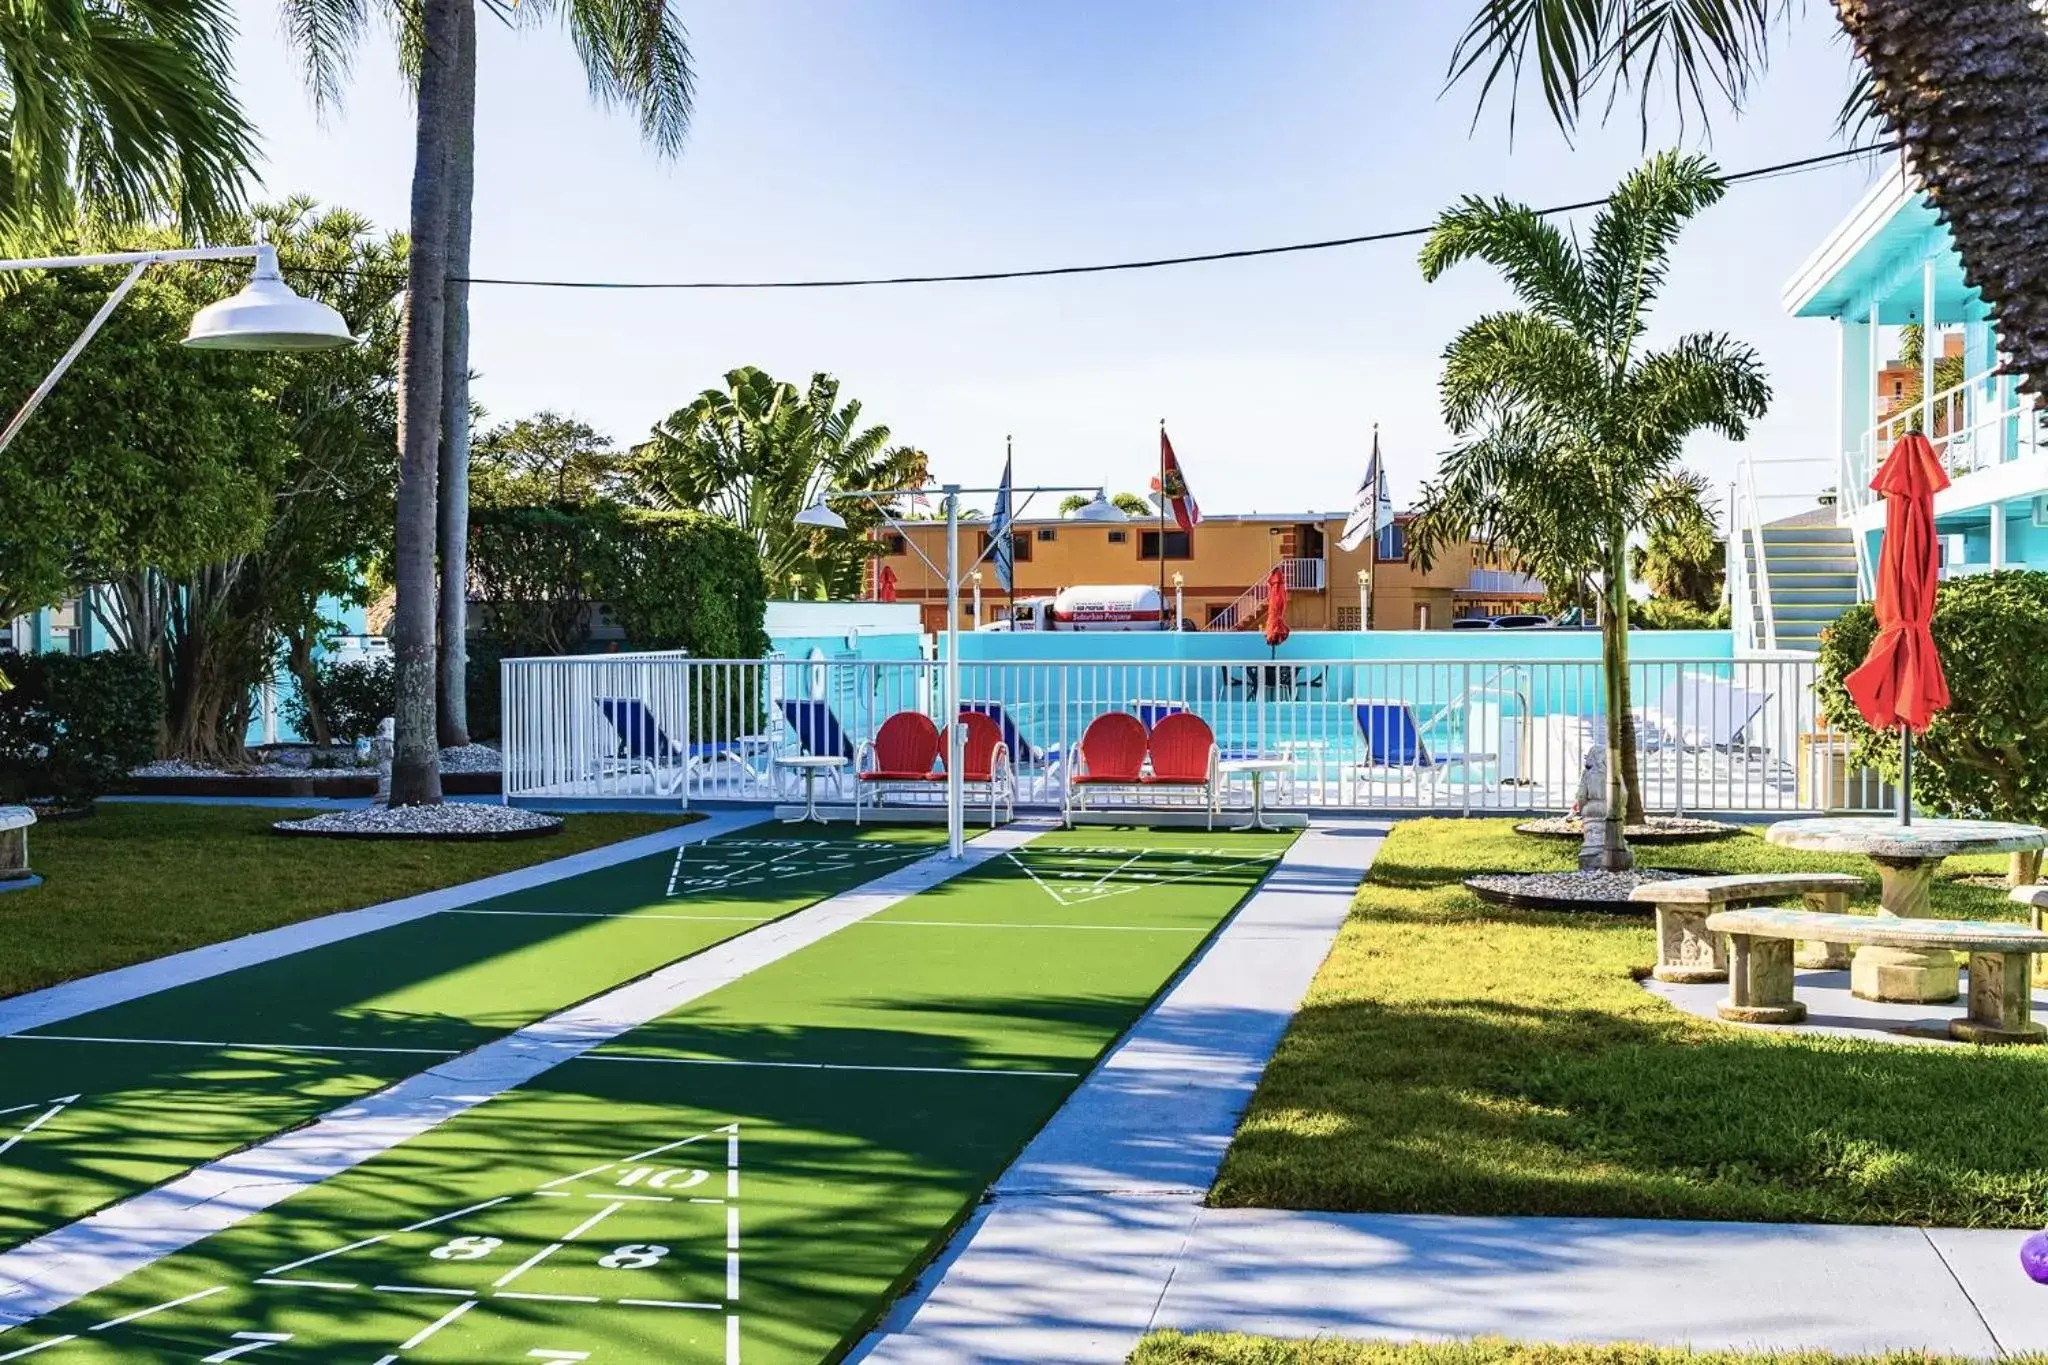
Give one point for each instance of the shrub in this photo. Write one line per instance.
(355, 695)
(1666, 613)
(73, 725)
(1987, 755)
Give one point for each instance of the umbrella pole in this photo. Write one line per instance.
(1906, 776)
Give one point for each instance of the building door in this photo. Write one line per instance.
(1308, 541)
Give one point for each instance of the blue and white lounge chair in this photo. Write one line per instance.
(643, 746)
(1393, 741)
(820, 735)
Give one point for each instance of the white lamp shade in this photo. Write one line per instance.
(1100, 508)
(268, 316)
(820, 513)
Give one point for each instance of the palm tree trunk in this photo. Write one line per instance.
(416, 758)
(1961, 82)
(453, 710)
(1615, 855)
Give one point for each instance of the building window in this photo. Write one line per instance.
(1898, 388)
(1392, 547)
(1119, 537)
(1020, 546)
(1179, 544)
(1048, 533)
(895, 544)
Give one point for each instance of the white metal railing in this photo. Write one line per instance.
(1469, 735)
(1504, 581)
(1983, 421)
(1300, 575)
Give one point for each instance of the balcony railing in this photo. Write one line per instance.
(1980, 423)
(1503, 583)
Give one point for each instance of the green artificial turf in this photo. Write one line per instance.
(200, 1082)
(1456, 1057)
(875, 1082)
(1175, 1348)
(136, 881)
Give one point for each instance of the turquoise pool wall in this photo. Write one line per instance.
(1337, 646)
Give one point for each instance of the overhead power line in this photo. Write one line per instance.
(1806, 163)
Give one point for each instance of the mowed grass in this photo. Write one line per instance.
(1174, 1348)
(1456, 1057)
(135, 882)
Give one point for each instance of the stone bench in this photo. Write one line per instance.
(2001, 965)
(1686, 952)
(2036, 899)
(14, 827)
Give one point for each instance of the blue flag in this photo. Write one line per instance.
(1002, 552)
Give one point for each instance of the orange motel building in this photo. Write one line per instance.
(1214, 567)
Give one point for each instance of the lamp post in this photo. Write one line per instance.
(1179, 615)
(977, 598)
(1365, 599)
(265, 316)
(820, 514)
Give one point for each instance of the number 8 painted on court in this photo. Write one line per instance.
(467, 1249)
(634, 1256)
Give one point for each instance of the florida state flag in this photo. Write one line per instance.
(1172, 487)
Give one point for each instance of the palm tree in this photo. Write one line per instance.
(757, 452)
(121, 111)
(1682, 557)
(1567, 429)
(1959, 83)
(634, 53)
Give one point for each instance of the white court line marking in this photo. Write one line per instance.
(669, 1303)
(423, 1289)
(616, 914)
(311, 1284)
(547, 1298)
(529, 1263)
(828, 1066)
(572, 1179)
(561, 1194)
(539, 1354)
(142, 1313)
(436, 1325)
(39, 1346)
(732, 1229)
(1118, 868)
(732, 1277)
(702, 1200)
(426, 1223)
(594, 1219)
(245, 1047)
(665, 1147)
(640, 1198)
(1005, 924)
(56, 1107)
(321, 1256)
(732, 1340)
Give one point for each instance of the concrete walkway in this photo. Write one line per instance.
(1097, 1233)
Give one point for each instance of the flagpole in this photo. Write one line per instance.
(1010, 588)
(1162, 523)
(1372, 540)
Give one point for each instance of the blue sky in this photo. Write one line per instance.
(936, 135)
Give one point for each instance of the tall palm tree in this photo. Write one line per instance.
(120, 110)
(634, 53)
(757, 452)
(1958, 82)
(1567, 429)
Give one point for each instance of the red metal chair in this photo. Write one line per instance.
(1111, 754)
(1184, 754)
(903, 755)
(985, 764)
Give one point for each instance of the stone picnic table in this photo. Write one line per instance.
(1906, 857)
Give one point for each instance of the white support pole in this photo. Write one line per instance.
(1997, 536)
(1929, 349)
(99, 320)
(977, 599)
(956, 813)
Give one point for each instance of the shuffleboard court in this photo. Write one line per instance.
(747, 1179)
(103, 1105)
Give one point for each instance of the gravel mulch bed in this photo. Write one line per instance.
(1606, 892)
(451, 821)
(299, 761)
(1661, 829)
(471, 758)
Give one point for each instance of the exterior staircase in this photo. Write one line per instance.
(1808, 574)
(1302, 575)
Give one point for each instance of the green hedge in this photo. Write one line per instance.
(1987, 755)
(672, 580)
(71, 726)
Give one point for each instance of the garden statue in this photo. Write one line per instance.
(380, 749)
(14, 827)
(1591, 807)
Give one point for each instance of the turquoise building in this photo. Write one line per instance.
(1890, 267)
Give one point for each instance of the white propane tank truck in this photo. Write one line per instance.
(1090, 606)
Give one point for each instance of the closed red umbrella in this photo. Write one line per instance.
(1276, 607)
(885, 585)
(1900, 681)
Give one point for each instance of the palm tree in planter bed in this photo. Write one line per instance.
(1567, 429)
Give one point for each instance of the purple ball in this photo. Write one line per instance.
(2034, 1257)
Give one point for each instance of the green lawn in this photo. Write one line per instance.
(136, 882)
(1173, 1348)
(1454, 1057)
